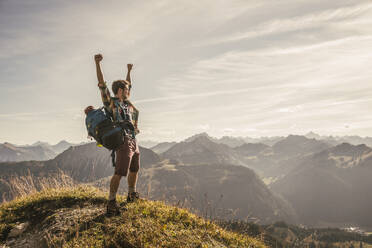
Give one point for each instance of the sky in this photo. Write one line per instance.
(237, 68)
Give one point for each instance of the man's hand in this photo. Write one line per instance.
(102, 85)
(98, 57)
(130, 66)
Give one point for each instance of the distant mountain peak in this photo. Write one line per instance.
(203, 138)
(10, 146)
(292, 139)
(344, 145)
(296, 136)
(312, 135)
(61, 146)
(162, 147)
(299, 144)
(201, 149)
(346, 148)
(363, 146)
(63, 142)
(40, 143)
(231, 137)
(204, 134)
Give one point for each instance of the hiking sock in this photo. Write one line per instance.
(112, 196)
(131, 189)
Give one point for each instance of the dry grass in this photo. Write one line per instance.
(154, 224)
(19, 186)
(145, 224)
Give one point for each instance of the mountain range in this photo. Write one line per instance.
(327, 185)
(331, 187)
(37, 151)
(205, 187)
(270, 141)
(267, 161)
(201, 150)
(308, 180)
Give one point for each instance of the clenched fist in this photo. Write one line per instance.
(102, 85)
(130, 66)
(98, 57)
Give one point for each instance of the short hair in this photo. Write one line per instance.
(119, 84)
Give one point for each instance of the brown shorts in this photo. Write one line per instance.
(127, 157)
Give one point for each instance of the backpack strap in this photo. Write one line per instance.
(113, 155)
(113, 158)
(108, 113)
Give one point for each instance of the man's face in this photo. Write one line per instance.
(125, 92)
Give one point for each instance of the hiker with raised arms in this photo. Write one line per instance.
(123, 113)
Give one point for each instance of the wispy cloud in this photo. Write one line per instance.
(296, 23)
(255, 68)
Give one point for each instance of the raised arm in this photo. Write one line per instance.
(105, 93)
(129, 66)
(98, 58)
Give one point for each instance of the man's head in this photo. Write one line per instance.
(121, 89)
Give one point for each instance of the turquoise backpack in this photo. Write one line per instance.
(100, 126)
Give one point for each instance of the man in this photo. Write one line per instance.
(126, 115)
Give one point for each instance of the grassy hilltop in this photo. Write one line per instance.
(75, 217)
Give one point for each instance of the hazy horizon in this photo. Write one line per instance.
(160, 141)
(256, 69)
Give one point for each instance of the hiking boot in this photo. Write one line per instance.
(132, 197)
(112, 208)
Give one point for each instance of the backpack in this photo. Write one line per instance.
(100, 126)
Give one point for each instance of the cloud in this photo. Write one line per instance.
(27, 117)
(290, 109)
(262, 67)
(296, 23)
(275, 87)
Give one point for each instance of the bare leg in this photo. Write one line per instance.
(114, 185)
(132, 181)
